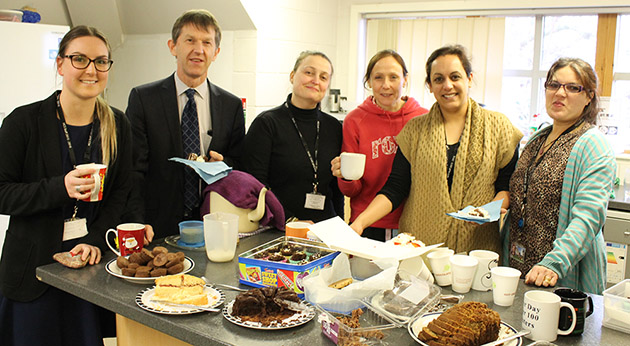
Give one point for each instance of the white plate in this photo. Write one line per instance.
(416, 326)
(113, 269)
(143, 299)
(297, 319)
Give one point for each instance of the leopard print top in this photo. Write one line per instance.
(534, 221)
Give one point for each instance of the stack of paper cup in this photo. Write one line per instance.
(441, 266)
(463, 267)
(504, 284)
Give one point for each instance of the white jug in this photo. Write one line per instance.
(247, 218)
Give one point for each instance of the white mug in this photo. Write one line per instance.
(487, 260)
(352, 165)
(541, 314)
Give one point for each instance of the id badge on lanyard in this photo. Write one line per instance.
(315, 200)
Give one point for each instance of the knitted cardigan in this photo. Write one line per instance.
(487, 144)
(579, 251)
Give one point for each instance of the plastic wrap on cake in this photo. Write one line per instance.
(409, 297)
(363, 326)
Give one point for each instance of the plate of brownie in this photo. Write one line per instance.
(268, 308)
(462, 324)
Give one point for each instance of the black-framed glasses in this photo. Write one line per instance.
(570, 87)
(81, 62)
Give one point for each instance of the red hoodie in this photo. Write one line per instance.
(370, 130)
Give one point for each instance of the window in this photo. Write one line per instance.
(532, 44)
(620, 97)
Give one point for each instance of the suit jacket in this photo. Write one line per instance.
(33, 193)
(157, 197)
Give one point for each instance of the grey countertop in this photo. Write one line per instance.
(620, 202)
(94, 284)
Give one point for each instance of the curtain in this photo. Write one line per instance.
(416, 39)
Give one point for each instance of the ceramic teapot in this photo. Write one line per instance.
(247, 218)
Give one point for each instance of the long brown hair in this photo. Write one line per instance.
(104, 113)
(587, 77)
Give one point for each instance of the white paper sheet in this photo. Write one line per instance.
(338, 235)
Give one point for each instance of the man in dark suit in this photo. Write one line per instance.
(157, 111)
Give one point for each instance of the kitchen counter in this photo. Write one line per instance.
(94, 284)
(620, 202)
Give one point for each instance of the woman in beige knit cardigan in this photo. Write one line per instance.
(458, 154)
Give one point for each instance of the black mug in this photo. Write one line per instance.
(578, 300)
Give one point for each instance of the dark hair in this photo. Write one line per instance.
(380, 55)
(587, 77)
(202, 19)
(457, 50)
(305, 54)
(81, 31)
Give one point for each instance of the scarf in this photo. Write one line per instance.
(487, 144)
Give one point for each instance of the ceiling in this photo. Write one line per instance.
(117, 18)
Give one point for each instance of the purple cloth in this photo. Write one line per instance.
(242, 189)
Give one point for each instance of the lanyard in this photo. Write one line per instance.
(451, 162)
(534, 163)
(313, 161)
(86, 154)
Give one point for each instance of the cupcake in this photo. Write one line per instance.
(262, 255)
(275, 248)
(287, 251)
(315, 256)
(298, 248)
(276, 257)
(297, 257)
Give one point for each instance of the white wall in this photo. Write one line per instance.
(284, 29)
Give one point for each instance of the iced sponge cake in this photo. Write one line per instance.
(180, 289)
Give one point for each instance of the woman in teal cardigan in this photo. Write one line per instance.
(560, 189)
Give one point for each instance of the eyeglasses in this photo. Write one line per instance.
(82, 62)
(570, 88)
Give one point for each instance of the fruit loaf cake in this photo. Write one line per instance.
(465, 324)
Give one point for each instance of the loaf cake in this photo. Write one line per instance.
(465, 324)
(180, 289)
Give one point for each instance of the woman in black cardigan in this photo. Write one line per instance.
(40, 188)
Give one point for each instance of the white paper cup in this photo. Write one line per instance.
(352, 165)
(504, 284)
(441, 266)
(463, 268)
(487, 260)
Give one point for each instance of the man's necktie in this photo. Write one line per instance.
(190, 137)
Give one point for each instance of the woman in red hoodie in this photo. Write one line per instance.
(371, 129)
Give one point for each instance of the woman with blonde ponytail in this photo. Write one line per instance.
(41, 188)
